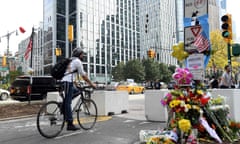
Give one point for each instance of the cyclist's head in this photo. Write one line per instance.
(78, 52)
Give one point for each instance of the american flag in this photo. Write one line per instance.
(29, 49)
(201, 42)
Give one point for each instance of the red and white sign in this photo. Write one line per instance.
(190, 34)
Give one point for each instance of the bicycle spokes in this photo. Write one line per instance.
(87, 114)
(50, 120)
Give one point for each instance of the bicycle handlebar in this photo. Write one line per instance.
(85, 88)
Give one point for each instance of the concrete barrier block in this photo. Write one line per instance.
(232, 99)
(53, 96)
(154, 111)
(111, 102)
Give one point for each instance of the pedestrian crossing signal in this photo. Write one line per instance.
(58, 51)
(151, 53)
(4, 61)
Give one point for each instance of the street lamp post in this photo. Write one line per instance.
(8, 39)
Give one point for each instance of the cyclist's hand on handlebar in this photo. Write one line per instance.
(94, 86)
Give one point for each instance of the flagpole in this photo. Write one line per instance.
(32, 35)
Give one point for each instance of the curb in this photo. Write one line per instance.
(15, 118)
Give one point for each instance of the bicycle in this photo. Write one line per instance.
(51, 119)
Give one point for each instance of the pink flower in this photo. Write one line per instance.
(163, 102)
(166, 100)
(182, 76)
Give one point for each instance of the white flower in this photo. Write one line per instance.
(186, 109)
(182, 104)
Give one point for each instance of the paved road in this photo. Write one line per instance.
(8, 101)
(119, 129)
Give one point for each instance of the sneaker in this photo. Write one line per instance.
(72, 128)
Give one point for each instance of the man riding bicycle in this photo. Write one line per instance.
(68, 81)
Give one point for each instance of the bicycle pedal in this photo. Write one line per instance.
(52, 119)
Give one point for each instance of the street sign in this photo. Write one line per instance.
(195, 64)
(195, 8)
(3, 68)
(190, 33)
(198, 74)
(195, 61)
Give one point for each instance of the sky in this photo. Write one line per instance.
(15, 14)
(29, 13)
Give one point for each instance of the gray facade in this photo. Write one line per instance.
(158, 28)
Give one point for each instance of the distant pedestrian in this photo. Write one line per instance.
(213, 83)
(157, 84)
(226, 80)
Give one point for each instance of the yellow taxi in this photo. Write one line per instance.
(132, 87)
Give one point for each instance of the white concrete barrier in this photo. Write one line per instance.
(111, 102)
(232, 99)
(53, 96)
(154, 111)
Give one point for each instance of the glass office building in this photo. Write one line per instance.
(158, 29)
(108, 30)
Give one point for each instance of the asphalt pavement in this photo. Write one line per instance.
(116, 129)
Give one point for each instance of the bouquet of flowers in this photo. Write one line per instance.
(194, 109)
(219, 112)
(235, 127)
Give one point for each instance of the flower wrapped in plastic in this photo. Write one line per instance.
(182, 76)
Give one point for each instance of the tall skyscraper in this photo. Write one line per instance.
(158, 29)
(108, 30)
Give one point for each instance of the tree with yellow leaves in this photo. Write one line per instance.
(219, 53)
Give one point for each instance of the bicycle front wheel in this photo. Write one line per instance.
(87, 114)
(50, 120)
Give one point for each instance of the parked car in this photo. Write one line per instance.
(163, 85)
(21, 87)
(4, 94)
(171, 85)
(112, 86)
(132, 88)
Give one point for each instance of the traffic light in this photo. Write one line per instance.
(227, 27)
(70, 33)
(58, 51)
(236, 49)
(151, 53)
(146, 24)
(4, 61)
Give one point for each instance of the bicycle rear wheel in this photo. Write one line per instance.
(50, 120)
(87, 114)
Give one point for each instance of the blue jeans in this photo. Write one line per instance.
(68, 89)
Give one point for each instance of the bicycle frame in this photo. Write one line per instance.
(78, 95)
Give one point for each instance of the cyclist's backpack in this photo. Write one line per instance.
(59, 69)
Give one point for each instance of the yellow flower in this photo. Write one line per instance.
(154, 140)
(188, 106)
(196, 107)
(174, 103)
(181, 96)
(184, 125)
(199, 92)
